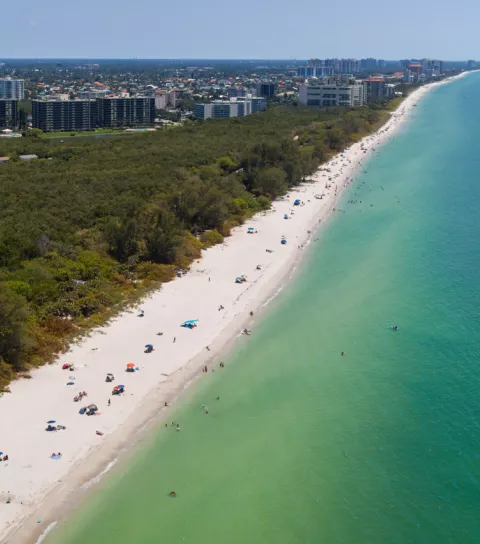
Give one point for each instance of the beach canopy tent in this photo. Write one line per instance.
(190, 324)
(251, 230)
(297, 202)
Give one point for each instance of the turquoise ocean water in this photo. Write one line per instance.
(305, 446)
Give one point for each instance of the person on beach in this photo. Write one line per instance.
(174, 339)
(207, 348)
(109, 402)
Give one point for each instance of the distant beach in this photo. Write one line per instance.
(35, 483)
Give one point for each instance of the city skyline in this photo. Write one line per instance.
(200, 31)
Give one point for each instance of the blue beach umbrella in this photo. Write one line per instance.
(51, 421)
(149, 346)
(1, 452)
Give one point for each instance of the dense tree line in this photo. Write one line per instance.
(92, 223)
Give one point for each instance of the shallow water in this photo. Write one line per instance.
(305, 445)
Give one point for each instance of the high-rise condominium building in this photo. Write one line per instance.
(334, 91)
(120, 112)
(64, 115)
(8, 113)
(12, 88)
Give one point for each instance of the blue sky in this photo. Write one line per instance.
(242, 29)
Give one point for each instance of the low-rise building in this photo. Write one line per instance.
(235, 107)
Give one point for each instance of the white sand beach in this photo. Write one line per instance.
(32, 484)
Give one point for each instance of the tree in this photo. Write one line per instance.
(14, 339)
(34, 133)
(270, 182)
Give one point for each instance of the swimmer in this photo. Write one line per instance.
(343, 353)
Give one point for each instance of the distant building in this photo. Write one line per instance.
(336, 91)
(407, 76)
(64, 116)
(12, 88)
(8, 113)
(124, 112)
(471, 64)
(376, 89)
(368, 65)
(266, 90)
(161, 101)
(165, 99)
(329, 67)
(4, 160)
(348, 66)
(235, 107)
(415, 68)
(432, 68)
(315, 71)
(258, 104)
(236, 92)
(28, 157)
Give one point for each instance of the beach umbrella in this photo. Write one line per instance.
(130, 365)
(149, 346)
(51, 421)
(1, 452)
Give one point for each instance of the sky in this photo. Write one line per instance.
(248, 29)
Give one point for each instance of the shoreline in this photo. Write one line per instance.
(32, 477)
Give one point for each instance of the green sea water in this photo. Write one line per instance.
(305, 445)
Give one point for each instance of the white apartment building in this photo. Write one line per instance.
(12, 88)
(333, 92)
(163, 99)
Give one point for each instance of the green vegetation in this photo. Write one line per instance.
(84, 133)
(94, 224)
